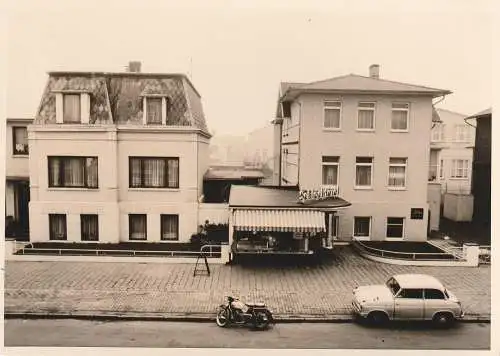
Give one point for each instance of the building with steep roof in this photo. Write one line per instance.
(117, 157)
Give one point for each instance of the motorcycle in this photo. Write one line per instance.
(237, 312)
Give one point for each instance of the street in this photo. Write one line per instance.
(83, 333)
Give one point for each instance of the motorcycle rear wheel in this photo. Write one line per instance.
(222, 318)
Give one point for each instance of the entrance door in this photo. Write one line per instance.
(21, 199)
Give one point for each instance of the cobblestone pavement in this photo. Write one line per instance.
(93, 287)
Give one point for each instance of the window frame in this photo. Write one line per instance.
(61, 172)
(79, 95)
(464, 169)
(407, 110)
(154, 98)
(142, 159)
(15, 151)
(362, 237)
(51, 224)
(363, 164)
(402, 290)
(134, 215)
(336, 106)
(392, 165)
(330, 164)
(402, 225)
(441, 169)
(464, 130)
(163, 223)
(372, 109)
(437, 132)
(82, 216)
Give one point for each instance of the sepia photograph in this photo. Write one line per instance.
(259, 176)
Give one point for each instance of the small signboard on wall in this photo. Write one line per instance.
(310, 196)
(417, 214)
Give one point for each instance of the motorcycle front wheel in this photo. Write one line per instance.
(222, 318)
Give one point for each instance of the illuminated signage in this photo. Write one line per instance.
(318, 194)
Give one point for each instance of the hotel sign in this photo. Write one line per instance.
(309, 196)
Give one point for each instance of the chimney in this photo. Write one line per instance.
(134, 66)
(374, 71)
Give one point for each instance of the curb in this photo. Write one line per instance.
(198, 317)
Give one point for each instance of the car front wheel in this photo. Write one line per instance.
(378, 318)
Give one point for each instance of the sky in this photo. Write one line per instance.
(237, 52)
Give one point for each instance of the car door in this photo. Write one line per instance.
(409, 304)
(434, 300)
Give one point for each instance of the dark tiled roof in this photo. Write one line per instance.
(117, 97)
(481, 114)
(247, 196)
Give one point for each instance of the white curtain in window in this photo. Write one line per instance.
(363, 175)
(154, 173)
(397, 176)
(173, 173)
(154, 110)
(138, 227)
(170, 227)
(330, 174)
(92, 175)
(399, 120)
(55, 171)
(71, 108)
(74, 172)
(90, 227)
(21, 139)
(332, 118)
(135, 176)
(365, 119)
(58, 227)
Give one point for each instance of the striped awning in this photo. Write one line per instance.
(298, 220)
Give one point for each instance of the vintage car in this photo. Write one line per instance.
(407, 297)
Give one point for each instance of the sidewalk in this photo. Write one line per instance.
(152, 290)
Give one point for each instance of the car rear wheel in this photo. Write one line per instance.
(443, 319)
(378, 318)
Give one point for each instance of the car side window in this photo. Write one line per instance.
(433, 294)
(411, 293)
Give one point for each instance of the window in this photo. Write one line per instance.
(438, 132)
(433, 294)
(364, 166)
(400, 115)
(411, 293)
(154, 110)
(393, 285)
(73, 172)
(332, 114)
(57, 227)
(397, 172)
(460, 168)
(137, 227)
(89, 227)
(330, 170)
(462, 133)
(170, 227)
(441, 169)
(362, 226)
(157, 172)
(366, 116)
(395, 227)
(71, 108)
(20, 140)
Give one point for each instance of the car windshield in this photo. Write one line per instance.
(393, 286)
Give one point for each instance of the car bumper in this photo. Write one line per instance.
(357, 310)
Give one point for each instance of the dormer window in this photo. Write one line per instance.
(72, 107)
(155, 110)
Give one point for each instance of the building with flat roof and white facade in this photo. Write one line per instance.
(117, 157)
(367, 138)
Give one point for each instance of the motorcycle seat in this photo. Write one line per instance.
(256, 304)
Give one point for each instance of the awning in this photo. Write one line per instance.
(298, 220)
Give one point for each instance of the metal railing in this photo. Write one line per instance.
(431, 256)
(106, 252)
